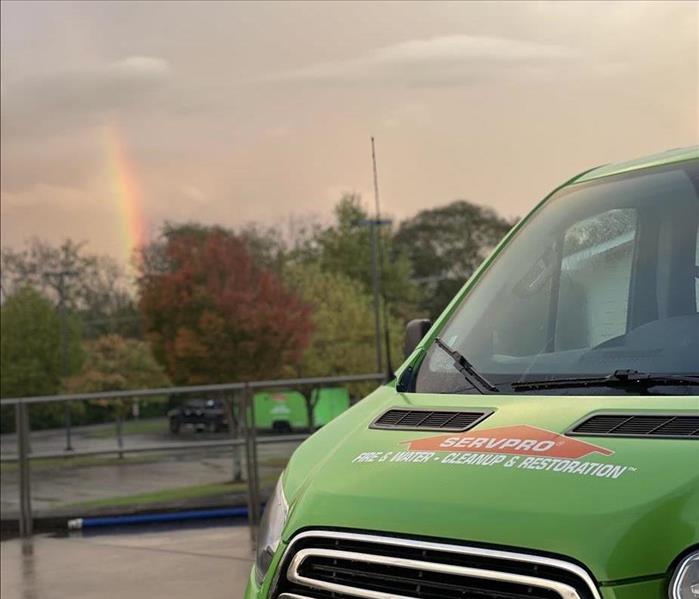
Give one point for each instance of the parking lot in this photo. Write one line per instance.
(142, 563)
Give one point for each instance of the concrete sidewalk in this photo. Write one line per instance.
(136, 563)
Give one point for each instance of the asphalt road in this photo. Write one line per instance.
(177, 563)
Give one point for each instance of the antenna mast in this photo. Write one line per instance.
(376, 181)
(378, 276)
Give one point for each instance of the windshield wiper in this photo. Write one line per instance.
(482, 384)
(618, 378)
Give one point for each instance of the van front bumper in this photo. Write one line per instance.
(650, 588)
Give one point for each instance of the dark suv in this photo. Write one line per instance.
(200, 414)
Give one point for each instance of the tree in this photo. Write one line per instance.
(343, 339)
(345, 248)
(213, 315)
(343, 324)
(97, 290)
(30, 354)
(266, 246)
(446, 245)
(113, 363)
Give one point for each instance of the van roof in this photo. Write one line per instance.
(668, 157)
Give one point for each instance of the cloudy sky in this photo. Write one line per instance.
(236, 112)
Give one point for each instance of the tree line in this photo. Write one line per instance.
(210, 304)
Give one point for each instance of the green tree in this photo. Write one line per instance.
(345, 248)
(266, 245)
(98, 289)
(446, 245)
(113, 363)
(30, 354)
(343, 339)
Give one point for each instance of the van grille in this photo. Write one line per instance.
(434, 420)
(341, 565)
(669, 426)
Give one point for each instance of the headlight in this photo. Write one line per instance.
(270, 532)
(685, 581)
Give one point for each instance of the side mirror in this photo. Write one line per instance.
(414, 332)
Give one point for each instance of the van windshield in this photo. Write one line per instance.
(603, 277)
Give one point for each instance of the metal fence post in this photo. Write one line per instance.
(247, 417)
(120, 436)
(243, 419)
(255, 463)
(234, 428)
(25, 500)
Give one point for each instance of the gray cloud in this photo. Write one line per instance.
(236, 111)
(447, 60)
(81, 96)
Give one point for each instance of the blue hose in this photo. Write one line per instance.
(233, 512)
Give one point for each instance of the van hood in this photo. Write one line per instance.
(623, 507)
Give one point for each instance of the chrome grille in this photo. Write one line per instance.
(345, 565)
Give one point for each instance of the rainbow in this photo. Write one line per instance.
(126, 191)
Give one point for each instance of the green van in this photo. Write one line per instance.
(541, 441)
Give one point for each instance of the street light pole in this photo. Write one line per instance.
(64, 353)
(60, 287)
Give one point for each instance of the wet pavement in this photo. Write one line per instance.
(60, 486)
(98, 437)
(102, 437)
(136, 563)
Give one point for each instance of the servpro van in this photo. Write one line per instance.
(541, 441)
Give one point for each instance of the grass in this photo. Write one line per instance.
(170, 495)
(130, 427)
(80, 462)
(275, 462)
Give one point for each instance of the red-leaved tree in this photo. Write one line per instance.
(212, 315)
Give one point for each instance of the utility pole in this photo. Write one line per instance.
(60, 288)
